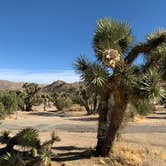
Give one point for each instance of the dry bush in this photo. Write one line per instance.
(130, 155)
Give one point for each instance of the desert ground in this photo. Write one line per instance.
(78, 135)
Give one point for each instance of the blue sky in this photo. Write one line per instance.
(40, 39)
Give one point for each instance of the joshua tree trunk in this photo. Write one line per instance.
(84, 100)
(28, 105)
(102, 125)
(95, 103)
(86, 105)
(12, 142)
(116, 119)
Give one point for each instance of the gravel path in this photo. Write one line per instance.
(52, 121)
(152, 130)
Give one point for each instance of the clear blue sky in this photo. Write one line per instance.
(40, 39)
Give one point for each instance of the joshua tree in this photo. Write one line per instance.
(31, 90)
(114, 75)
(38, 154)
(89, 99)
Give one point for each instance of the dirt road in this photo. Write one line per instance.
(79, 131)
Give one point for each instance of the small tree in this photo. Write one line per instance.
(9, 100)
(31, 92)
(89, 100)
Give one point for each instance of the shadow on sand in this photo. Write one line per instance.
(156, 117)
(85, 119)
(73, 153)
(57, 113)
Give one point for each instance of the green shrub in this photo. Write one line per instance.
(20, 100)
(9, 101)
(144, 108)
(14, 159)
(63, 102)
(2, 110)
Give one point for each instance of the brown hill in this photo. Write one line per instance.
(9, 85)
(61, 86)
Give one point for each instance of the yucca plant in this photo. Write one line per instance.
(37, 153)
(117, 77)
(4, 137)
(31, 95)
(13, 159)
(26, 138)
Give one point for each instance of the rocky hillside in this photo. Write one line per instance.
(57, 86)
(61, 86)
(9, 85)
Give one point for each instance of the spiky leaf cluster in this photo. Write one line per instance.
(28, 137)
(94, 75)
(4, 138)
(149, 87)
(111, 34)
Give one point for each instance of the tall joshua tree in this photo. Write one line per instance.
(114, 75)
(31, 90)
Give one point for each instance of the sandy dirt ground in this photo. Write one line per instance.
(78, 132)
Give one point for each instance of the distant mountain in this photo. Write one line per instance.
(61, 86)
(57, 86)
(9, 85)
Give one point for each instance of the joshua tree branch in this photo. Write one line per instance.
(144, 48)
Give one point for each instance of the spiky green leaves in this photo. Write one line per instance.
(153, 41)
(4, 138)
(14, 159)
(111, 34)
(149, 87)
(157, 57)
(27, 137)
(94, 75)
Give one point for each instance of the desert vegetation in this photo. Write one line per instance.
(113, 90)
(114, 75)
(35, 154)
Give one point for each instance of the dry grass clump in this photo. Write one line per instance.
(74, 108)
(159, 155)
(130, 155)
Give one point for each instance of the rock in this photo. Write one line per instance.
(102, 162)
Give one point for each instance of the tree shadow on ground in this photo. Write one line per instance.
(69, 148)
(160, 113)
(72, 153)
(156, 117)
(85, 119)
(57, 113)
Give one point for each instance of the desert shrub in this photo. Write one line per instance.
(37, 100)
(76, 99)
(37, 154)
(20, 99)
(12, 160)
(9, 101)
(2, 110)
(144, 108)
(63, 102)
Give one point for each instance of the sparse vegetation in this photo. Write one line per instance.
(62, 102)
(112, 86)
(9, 103)
(31, 95)
(37, 153)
